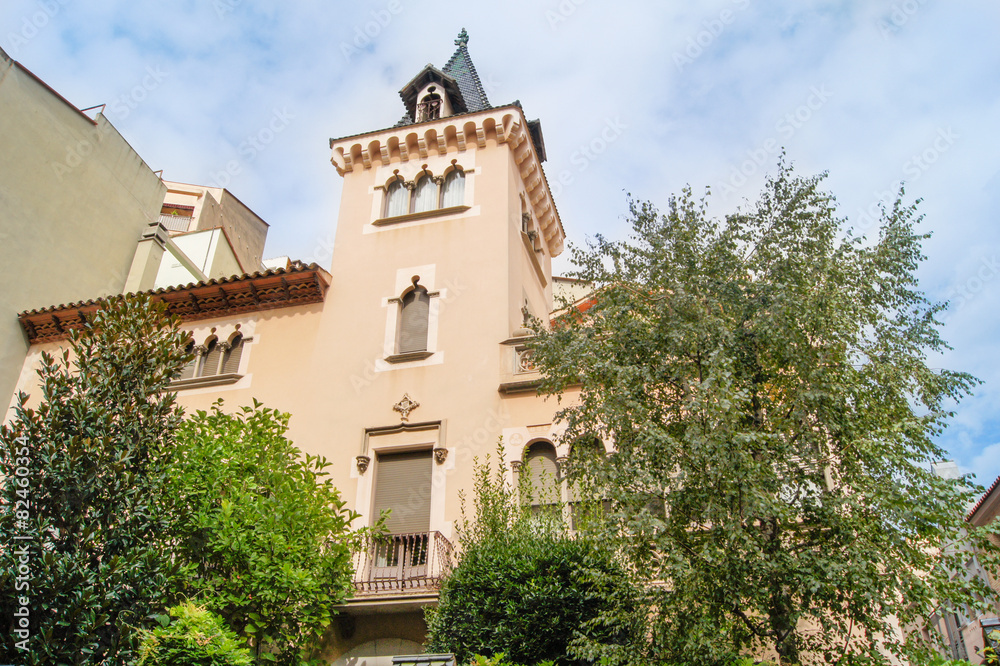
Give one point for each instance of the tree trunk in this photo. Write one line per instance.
(783, 626)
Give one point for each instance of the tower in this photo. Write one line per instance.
(444, 244)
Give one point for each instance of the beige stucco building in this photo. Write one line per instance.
(406, 359)
(74, 199)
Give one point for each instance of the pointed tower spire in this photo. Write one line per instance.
(460, 68)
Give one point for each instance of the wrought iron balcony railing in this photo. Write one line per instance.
(401, 564)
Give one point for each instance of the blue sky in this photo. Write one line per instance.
(635, 97)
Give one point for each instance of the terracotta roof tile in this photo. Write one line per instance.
(298, 284)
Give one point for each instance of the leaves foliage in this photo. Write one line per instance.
(195, 637)
(525, 587)
(263, 533)
(82, 474)
(765, 380)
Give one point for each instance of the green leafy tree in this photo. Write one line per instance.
(196, 637)
(263, 533)
(82, 473)
(525, 590)
(764, 378)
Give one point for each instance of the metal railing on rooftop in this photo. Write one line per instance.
(175, 222)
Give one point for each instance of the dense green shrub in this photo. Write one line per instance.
(81, 503)
(263, 535)
(525, 587)
(196, 637)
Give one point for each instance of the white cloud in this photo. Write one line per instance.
(896, 80)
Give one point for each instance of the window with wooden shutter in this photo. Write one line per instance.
(231, 359)
(187, 372)
(543, 474)
(403, 484)
(582, 505)
(210, 363)
(413, 318)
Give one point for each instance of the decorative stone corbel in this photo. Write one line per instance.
(440, 455)
(363, 462)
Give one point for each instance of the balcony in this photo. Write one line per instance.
(518, 373)
(176, 223)
(401, 564)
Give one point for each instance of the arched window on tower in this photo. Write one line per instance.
(413, 317)
(453, 192)
(396, 199)
(429, 107)
(425, 195)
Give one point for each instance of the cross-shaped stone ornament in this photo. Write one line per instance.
(405, 406)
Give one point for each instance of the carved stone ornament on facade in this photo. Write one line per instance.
(363, 462)
(515, 466)
(405, 406)
(440, 455)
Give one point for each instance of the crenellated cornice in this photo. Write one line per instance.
(456, 134)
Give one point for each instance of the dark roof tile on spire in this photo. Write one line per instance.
(460, 68)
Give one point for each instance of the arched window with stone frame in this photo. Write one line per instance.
(397, 198)
(429, 107)
(414, 314)
(232, 354)
(453, 188)
(425, 193)
(211, 358)
(541, 485)
(189, 369)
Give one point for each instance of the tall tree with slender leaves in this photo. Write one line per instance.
(765, 380)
